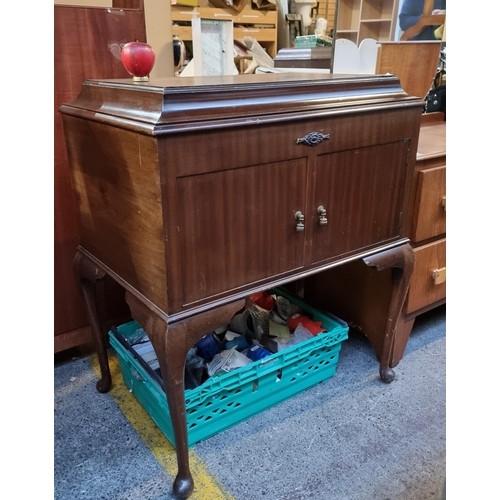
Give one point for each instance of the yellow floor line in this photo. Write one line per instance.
(205, 486)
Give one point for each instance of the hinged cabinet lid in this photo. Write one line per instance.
(174, 104)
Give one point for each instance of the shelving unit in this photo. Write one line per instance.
(257, 24)
(360, 19)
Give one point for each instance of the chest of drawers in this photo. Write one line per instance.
(428, 235)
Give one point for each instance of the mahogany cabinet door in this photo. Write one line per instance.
(360, 192)
(237, 227)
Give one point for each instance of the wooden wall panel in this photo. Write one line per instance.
(86, 45)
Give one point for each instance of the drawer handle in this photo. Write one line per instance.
(443, 202)
(299, 221)
(323, 221)
(313, 138)
(439, 275)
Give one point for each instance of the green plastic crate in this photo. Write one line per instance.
(312, 41)
(226, 400)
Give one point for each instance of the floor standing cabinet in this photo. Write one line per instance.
(196, 192)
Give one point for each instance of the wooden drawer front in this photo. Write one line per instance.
(241, 147)
(428, 284)
(430, 209)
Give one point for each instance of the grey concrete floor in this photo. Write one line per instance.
(352, 437)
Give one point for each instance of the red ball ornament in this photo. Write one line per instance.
(138, 58)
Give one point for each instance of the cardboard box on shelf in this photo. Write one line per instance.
(237, 5)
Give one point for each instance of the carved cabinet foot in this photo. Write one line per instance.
(400, 261)
(387, 374)
(183, 486)
(88, 274)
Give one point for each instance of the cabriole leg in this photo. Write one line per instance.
(171, 343)
(88, 274)
(401, 261)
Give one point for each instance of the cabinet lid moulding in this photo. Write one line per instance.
(168, 105)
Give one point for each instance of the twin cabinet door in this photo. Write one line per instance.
(240, 227)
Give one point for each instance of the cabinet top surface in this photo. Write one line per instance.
(160, 105)
(432, 140)
(187, 84)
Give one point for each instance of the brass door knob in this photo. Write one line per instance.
(323, 221)
(299, 221)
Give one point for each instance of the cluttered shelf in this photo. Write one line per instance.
(361, 19)
(260, 25)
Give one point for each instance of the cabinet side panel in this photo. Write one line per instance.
(116, 181)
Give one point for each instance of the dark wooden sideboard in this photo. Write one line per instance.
(194, 193)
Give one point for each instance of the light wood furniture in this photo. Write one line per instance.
(360, 19)
(415, 63)
(258, 24)
(196, 192)
(428, 236)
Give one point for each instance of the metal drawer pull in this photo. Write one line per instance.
(439, 275)
(443, 202)
(313, 138)
(299, 218)
(323, 221)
